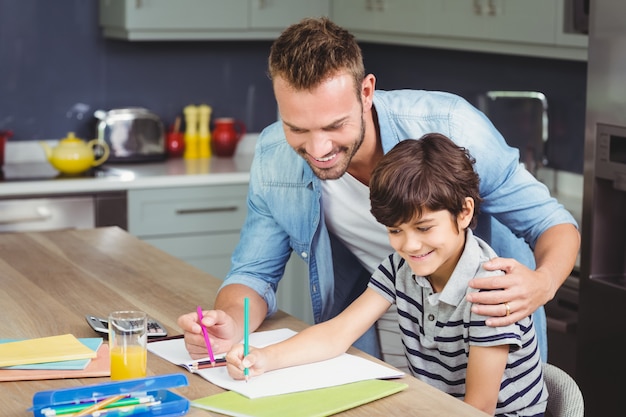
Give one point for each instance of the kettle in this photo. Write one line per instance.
(73, 156)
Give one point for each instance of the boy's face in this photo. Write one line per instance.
(324, 125)
(431, 244)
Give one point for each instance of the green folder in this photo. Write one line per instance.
(314, 403)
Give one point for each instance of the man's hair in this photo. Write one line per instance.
(431, 173)
(311, 51)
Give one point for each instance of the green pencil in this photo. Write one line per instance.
(246, 331)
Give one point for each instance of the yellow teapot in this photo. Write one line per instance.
(73, 156)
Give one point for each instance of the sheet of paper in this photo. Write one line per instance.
(173, 350)
(343, 369)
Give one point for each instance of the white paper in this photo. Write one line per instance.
(341, 370)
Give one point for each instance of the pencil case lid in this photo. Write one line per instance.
(171, 404)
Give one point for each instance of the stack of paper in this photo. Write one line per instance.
(343, 369)
(313, 390)
(53, 357)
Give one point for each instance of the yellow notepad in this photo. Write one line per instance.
(314, 403)
(44, 349)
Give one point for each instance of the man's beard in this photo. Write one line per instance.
(341, 167)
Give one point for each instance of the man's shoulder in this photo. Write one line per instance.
(393, 98)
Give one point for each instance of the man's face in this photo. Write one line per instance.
(324, 125)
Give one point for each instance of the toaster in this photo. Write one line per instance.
(133, 134)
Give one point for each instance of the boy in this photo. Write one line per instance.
(426, 194)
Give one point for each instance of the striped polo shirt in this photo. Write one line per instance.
(438, 328)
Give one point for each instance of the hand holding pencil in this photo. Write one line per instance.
(220, 327)
(256, 362)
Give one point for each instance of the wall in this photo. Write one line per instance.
(56, 69)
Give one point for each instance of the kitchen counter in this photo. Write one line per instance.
(35, 176)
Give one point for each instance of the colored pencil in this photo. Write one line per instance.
(100, 405)
(75, 408)
(207, 364)
(246, 331)
(206, 336)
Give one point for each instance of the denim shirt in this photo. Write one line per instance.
(285, 212)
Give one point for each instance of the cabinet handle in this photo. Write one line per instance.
(492, 8)
(42, 213)
(478, 7)
(207, 210)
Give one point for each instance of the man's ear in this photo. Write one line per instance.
(367, 91)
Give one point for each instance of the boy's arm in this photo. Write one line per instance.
(485, 367)
(316, 343)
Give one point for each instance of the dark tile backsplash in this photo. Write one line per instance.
(56, 69)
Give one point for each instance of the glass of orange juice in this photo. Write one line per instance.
(128, 338)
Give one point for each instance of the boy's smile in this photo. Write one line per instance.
(432, 243)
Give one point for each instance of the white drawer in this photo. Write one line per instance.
(172, 211)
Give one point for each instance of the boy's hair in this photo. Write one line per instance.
(431, 173)
(313, 50)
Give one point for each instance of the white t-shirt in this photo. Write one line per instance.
(347, 216)
(346, 203)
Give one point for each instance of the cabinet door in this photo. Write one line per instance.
(209, 252)
(532, 21)
(188, 15)
(461, 19)
(527, 21)
(278, 14)
(384, 16)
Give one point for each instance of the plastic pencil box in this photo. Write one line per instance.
(163, 401)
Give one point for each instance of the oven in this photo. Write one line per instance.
(80, 211)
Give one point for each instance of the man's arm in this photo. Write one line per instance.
(523, 289)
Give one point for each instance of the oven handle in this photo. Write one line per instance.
(41, 214)
(207, 210)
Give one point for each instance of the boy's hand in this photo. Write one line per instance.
(255, 362)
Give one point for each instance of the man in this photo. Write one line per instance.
(315, 201)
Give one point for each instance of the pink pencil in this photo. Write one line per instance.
(206, 336)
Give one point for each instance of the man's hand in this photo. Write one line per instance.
(522, 289)
(221, 327)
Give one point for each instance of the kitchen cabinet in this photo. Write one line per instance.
(531, 27)
(203, 19)
(400, 17)
(528, 21)
(198, 224)
(538, 28)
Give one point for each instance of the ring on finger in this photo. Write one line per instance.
(508, 309)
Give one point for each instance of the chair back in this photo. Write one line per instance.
(564, 396)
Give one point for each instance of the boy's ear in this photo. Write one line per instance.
(466, 215)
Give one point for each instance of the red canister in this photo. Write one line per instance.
(225, 136)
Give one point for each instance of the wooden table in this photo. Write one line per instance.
(50, 280)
